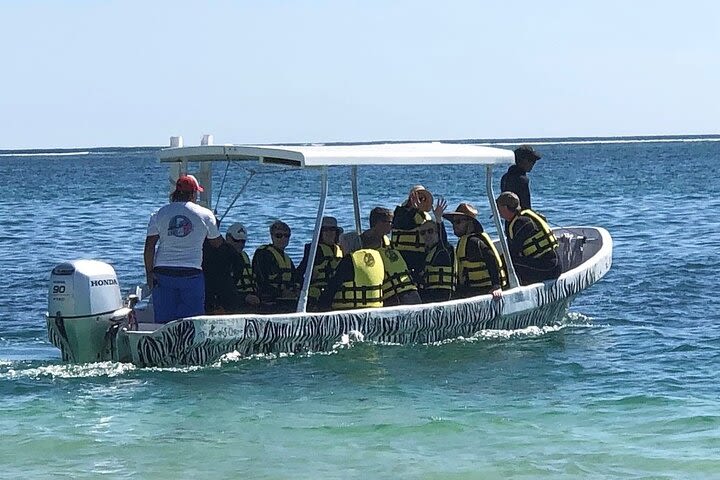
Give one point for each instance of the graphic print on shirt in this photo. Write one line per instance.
(180, 226)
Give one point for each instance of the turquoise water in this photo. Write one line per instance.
(627, 387)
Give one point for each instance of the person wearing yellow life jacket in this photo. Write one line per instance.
(357, 282)
(407, 219)
(327, 257)
(439, 273)
(532, 244)
(479, 266)
(398, 285)
(275, 272)
(242, 272)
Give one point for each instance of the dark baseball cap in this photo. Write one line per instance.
(526, 152)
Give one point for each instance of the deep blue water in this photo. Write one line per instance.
(627, 388)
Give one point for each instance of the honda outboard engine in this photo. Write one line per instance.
(84, 302)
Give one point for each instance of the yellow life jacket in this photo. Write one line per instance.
(324, 268)
(246, 282)
(541, 242)
(284, 277)
(365, 289)
(474, 274)
(409, 240)
(438, 277)
(397, 277)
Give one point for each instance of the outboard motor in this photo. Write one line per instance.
(84, 302)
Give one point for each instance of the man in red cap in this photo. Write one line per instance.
(174, 269)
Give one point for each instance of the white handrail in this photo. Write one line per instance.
(356, 201)
(512, 276)
(302, 301)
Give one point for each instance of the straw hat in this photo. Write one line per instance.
(463, 210)
(418, 189)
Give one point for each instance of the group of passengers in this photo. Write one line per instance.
(415, 264)
(404, 258)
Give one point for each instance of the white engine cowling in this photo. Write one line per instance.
(84, 308)
(83, 288)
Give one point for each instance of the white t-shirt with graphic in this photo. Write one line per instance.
(182, 227)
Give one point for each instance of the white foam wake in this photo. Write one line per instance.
(86, 370)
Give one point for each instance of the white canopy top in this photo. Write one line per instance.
(435, 153)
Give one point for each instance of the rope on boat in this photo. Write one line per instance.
(252, 174)
(227, 166)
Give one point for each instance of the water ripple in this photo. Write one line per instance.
(627, 386)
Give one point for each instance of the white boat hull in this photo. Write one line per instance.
(204, 339)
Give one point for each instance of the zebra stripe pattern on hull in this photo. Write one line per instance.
(205, 339)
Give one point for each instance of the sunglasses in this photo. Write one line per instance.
(461, 220)
(281, 235)
(241, 240)
(429, 231)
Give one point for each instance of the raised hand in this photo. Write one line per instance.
(440, 206)
(415, 200)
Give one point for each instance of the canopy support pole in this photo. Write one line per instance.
(512, 276)
(302, 301)
(356, 201)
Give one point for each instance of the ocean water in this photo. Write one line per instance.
(627, 387)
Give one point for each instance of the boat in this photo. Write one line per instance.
(89, 321)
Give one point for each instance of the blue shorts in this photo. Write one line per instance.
(178, 297)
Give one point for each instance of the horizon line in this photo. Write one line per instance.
(495, 141)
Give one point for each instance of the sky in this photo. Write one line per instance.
(133, 73)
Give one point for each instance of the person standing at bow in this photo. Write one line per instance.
(516, 179)
(174, 269)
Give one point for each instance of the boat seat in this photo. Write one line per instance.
(570, 250)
